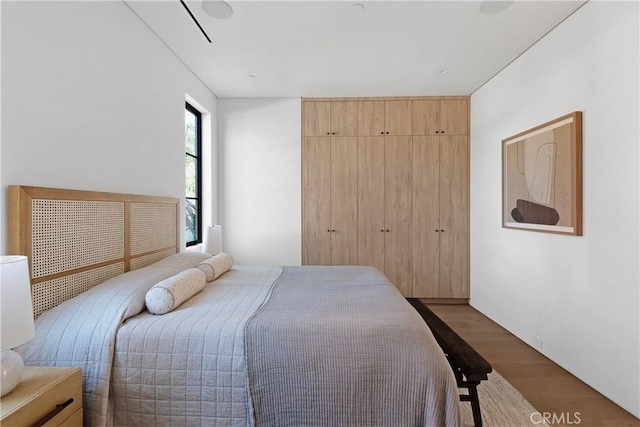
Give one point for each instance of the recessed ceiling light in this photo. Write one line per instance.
(253, 74)
(217, 8)
(357, 8)
(489, 7)
(443, 71)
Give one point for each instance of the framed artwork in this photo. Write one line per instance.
(542, 177)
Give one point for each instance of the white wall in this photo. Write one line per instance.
(260, 180)
(93, 100)
(580, 295)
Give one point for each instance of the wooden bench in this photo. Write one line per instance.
(468, 366)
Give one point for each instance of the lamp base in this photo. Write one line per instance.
(11, 366)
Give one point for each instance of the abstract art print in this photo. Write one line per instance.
(542, 177)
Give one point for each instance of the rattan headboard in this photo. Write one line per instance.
(77, 239)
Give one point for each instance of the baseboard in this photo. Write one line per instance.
(456, 301)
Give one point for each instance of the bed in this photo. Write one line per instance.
(263, 346)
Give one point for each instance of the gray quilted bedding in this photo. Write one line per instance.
(340, 346)
(82, 331)
(190, 367)
(187, 367)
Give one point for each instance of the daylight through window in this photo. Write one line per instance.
(193, 169)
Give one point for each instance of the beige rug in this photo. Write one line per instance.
(501, 405)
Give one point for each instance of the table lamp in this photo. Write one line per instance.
(213, 240)
(16, 318)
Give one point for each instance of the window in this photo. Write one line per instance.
(193, 169)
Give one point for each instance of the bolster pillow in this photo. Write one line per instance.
(168, 294)
(216, 266)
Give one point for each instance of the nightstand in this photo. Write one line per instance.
(46, 396)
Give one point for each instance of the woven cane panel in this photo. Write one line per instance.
(49, 294)
(153, 227)
(70, 234)
(146, 260)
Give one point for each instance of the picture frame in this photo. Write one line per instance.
(542, 177)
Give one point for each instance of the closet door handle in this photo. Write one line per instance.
(381, 133)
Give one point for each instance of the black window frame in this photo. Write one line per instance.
(198, 160)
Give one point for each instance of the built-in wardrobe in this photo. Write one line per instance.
(385, 183)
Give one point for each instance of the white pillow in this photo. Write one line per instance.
(215, 266)
(168, 294)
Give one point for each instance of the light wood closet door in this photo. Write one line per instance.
(454, 117)
(371, 186)
(426, 216)
(344, 118)
(316, 210)
(379, 118)
(454, 217)
(397, 164)
(344, 201)
(426, 117)
(440, 117)
(330, 118)
(317, 118)
(371, 118)
(398, 195)
(397, 117)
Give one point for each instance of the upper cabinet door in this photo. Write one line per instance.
(371, 118)
(454, 117)
(426, 118)
(397, 117)
(344, 118)
(317, 118)
(441, 117)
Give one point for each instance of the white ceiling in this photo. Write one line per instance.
(323, 48)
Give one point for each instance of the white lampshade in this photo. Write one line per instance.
(213, 240)
(16, 318)
(16, 315)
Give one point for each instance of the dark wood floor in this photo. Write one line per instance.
(545, 384)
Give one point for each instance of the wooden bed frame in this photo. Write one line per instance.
(468, 366)
(75, 240)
